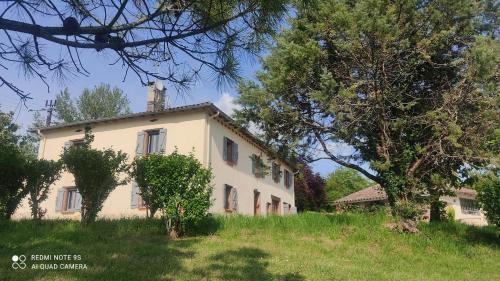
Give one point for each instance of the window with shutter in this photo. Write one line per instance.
(230, 151)
(288, 179)
(68, 200)
(230, 199)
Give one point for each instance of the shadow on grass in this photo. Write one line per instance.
(485, 235)
(246, 263)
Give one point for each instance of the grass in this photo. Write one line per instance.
(309, 246)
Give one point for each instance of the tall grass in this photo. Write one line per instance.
(308, 246)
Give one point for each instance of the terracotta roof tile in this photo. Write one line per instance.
(372, 193)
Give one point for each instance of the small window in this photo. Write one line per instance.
(152, 141)
(468, 206)
(230, 199)
(230, 151)
(288, 179)
(71, 199)
(276, 172)
(77, 143)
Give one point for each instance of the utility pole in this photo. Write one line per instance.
(50, 104)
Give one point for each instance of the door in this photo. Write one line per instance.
(256, 203)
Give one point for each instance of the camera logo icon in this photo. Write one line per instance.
(19, 262)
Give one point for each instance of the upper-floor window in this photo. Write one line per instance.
(258, 166)
(288, 179)
(276, 171)
(230, 151)
(76, 143)
(468, 206)
(151, 141)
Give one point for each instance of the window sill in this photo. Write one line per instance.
(68, 212)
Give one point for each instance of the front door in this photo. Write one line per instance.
(256, 203)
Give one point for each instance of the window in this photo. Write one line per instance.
(230, 154)
(469, 206)
(276, 172)
(152, 142)
(288, 179)
(258, 167)
(77, 143)
(68, 200)
(230, 199)
(275, 205)
(286, 208)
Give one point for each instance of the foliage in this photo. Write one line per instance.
(411, 86)
(140, 168)
(100, 102)
(488, 187)
(450, 213)
(309, 189)
(179, 185)
(308, 246)
(408, 210)
(182, 38)
(96, 172)
(40, 174)
(12, 170)
(344, 181)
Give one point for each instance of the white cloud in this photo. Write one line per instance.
(227, 103)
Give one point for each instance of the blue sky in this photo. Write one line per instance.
(98, 64)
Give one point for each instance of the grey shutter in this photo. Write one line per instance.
(162, 142)
(235, 153)
(78, 201)
(139, 149)
(134, 200)
(234, 199)
(59, 199)
(67, 144)
(224, 149)
(254, 159)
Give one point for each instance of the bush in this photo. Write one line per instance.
(40, 175)
(96, 174)
(408, 210)
(179, 185)
(12, 174)
(488, 197)
(450, 213)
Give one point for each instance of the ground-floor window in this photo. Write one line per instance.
(275, 205)
(469, 206)
(230, 199)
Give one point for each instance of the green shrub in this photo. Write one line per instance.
(96, 172)
(178, 185)
(408, 210)
(488, 197)
(450, 213)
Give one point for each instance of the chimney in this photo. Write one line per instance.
(156, 96)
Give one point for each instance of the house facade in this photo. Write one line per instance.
(242, 182)
(463, 203)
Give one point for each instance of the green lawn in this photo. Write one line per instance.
(303, 247)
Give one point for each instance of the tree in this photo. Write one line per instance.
(96, 173)
(488, 187)
(183, 36)
(40, 174)
(410, 85)
(100, 102)
(12, 170)
(344, 181)
(179, 185)
(309, 189)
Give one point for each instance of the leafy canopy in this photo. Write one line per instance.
(410, 85)
(100, 102)
(344, 181)
(177, 184)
